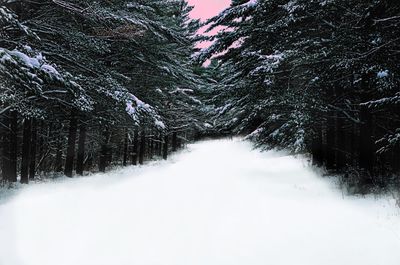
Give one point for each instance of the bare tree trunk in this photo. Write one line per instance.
(165, 147)
(13, 147)
(5, 145)
(156, 146)
(142, 150)
(353, 144)
(160, 146)
(81, 149)
(366, 148)
(104, 150)
(318, 149)
(341, 150)
(330, 141)
(174, 141)
(69, 160)
(151, 147)
(59, 153)
(26, 150)
(135, 150)
(32, 163)
(9, 161)
(125, 156)
(41, 147)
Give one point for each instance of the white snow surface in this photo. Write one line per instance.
(219, 202)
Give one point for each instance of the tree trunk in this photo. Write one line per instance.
(32, 163)
(104, 151)
(353, 144)
(165, 147)
(142, 150)
(58, 163)
(151, 147)
(41, 147)
(366, 148)
(160, 146)
(174, 141)
(13, 147)
(125, 156)
(9, 156)
(69, 160)
(135, 150)
(341, 152)
(156, 146)
(5, 145)
(317, 149)
(81, 149)
(26, 150)
(395, 159)
(330, 141)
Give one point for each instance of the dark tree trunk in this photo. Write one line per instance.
(13, 151)
(142, 150)
(69, 160)
(89, 161)
(81, 149)
(160, 146)
(125, 155)
(59, 153)
(32, 163)
(174, 141)
(395, 159)
(105, 151)
(353, 144)
(151, 147)
(366, 148)
(26, 150)
(41, 147)
(109, 158)
(135, 150)
(5, 145)
(318, 149)
(165, 147)
(180, 143)
(156, 146)
(330, 141)
(340, 144)
(9, 148)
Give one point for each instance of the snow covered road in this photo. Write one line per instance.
(217, 203)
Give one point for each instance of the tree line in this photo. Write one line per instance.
(89, 84)
(317, 77)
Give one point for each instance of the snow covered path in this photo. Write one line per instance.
(217, 203)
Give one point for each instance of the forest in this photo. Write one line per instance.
(88, 85)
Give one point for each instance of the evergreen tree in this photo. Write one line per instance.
(312, 76)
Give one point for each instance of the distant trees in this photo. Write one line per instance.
(87, 84)
(313, 76)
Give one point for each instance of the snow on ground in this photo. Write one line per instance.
(219, 203)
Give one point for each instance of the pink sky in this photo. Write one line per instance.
(204, 9)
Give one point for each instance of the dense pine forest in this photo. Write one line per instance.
(90, 84)
(319, 77)
(87, 85)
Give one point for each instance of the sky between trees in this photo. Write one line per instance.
(204, 9)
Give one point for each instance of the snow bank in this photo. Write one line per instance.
(218, 203)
